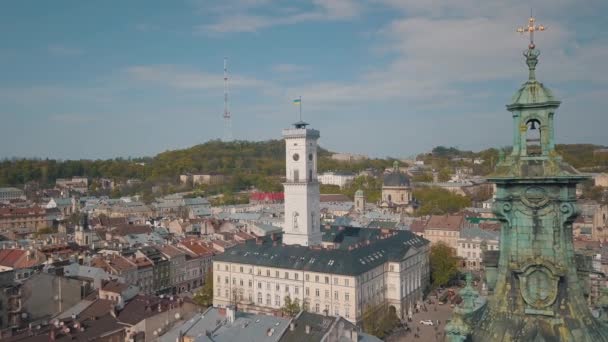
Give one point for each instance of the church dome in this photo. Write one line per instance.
(359, 193)
(532, 92)
(396, 179)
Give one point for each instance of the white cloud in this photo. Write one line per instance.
(74, 118)
(245, 19)
(184, 78)
(289, 68)
(64, 51)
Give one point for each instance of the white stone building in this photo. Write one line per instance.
(472, 242)
(340, 179)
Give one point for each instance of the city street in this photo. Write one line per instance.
(427, 333)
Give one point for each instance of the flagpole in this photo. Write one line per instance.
(300, 108)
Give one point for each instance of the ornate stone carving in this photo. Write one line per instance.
(535, 197)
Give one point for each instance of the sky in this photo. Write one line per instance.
(105, 79)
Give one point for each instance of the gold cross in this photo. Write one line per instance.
(531, 28)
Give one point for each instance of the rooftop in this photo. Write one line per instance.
(356, 251)
(446, 222)
(246, 327)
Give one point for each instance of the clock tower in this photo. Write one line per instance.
(302, 220)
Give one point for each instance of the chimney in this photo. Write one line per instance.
(231, 313)
(354, 336)
(307, 329)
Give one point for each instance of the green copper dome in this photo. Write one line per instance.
(532, 93)
(359, 193)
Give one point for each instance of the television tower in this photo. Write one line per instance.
(227, 116)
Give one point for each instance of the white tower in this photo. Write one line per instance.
(302, 221)
(359, 201)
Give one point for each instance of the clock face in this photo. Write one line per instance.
(296, 157)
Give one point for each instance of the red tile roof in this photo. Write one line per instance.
(446, 222)
(131, 229)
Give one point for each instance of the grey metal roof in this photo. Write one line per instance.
(370, 248)
(475, 232)
(396, 179)
(246, 327)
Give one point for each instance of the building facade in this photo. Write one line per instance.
(471, 245)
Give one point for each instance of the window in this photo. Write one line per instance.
(317, 278)
(336, 281)
(226, 268)
(347, 312)
(259, 284)
(233, 281)
(326, 280)
(278, 287)
(226, 280)
(287, 288)
(336, 295)
(241, 269)
(259, 297)
(241, 282)
(317, 308)
(227, 293)
(268, 299)
(297, 290)
(391, 268)
(276, 274)
(259, 271)
(296, 175)
(347, 296)
(277, 300)
(268, 286)
(250, 283)
(317, 292)
(268, 273)
(286, 275)
(219, 292)
(346, 282)
(336, 311)
(307, 277)
(326, 293)
(307, 291)
(296, 276)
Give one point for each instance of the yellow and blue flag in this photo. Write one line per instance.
(297, 102)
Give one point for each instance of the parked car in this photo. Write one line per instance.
(426, 322)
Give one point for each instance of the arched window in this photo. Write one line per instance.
(533, 137)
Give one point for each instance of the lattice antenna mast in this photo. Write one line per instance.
(227, 116)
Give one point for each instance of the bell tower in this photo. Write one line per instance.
(538, 295)
(302, 220)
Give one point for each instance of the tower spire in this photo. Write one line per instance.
(227, 117)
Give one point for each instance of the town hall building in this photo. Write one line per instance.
(331, 270)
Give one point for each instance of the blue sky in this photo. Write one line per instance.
(84, 79)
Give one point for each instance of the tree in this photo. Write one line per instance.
(444, 264)
(291, 308)
(379, 320)
(438, 201)
(204, 297)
